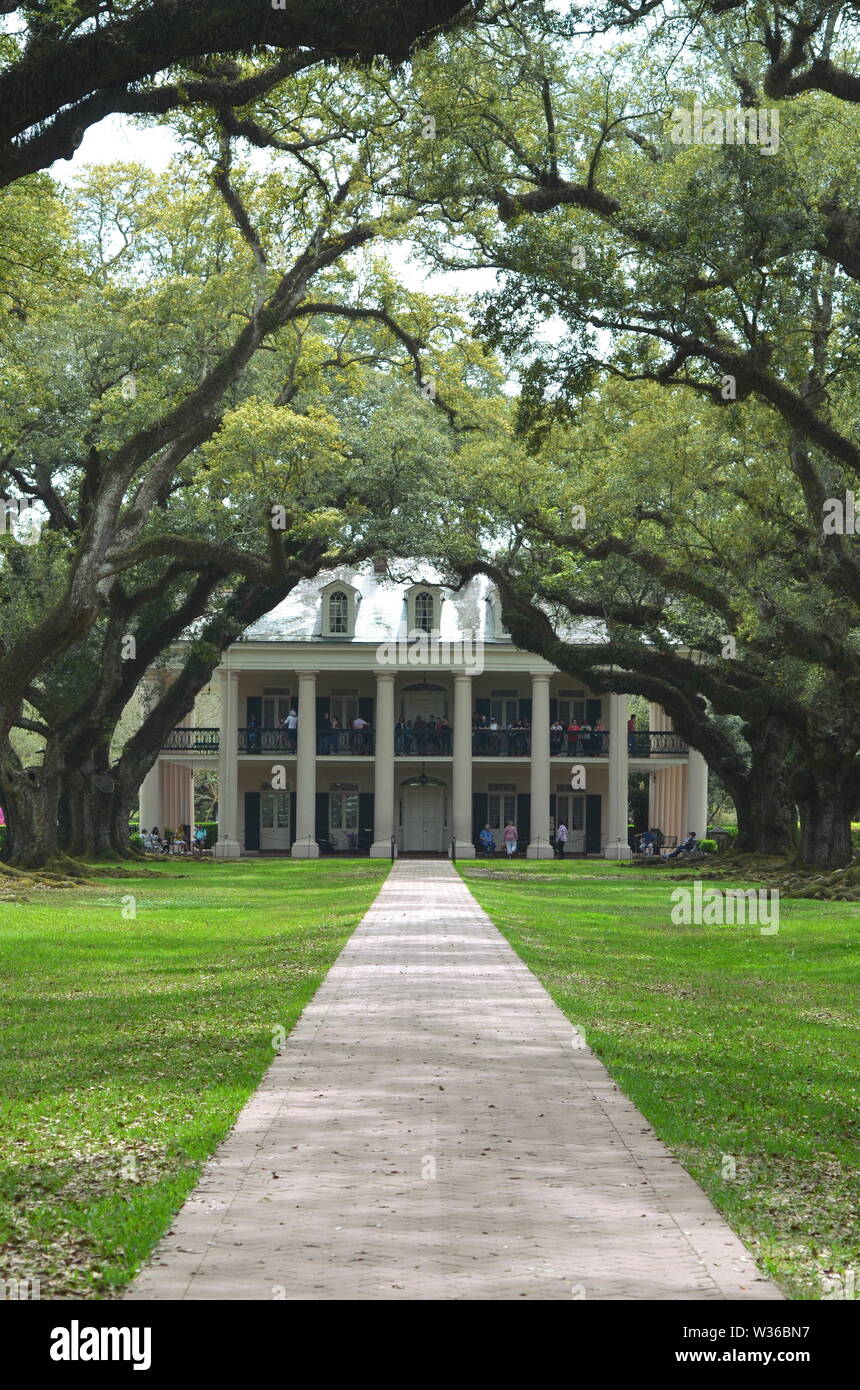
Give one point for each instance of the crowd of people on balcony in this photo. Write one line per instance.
(489, 735)
(578, 739)
(433, 734)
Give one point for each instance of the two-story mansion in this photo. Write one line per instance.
(368, 714)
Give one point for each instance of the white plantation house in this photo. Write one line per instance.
(415, 722)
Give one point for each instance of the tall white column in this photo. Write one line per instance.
(539, 845)
(150, 799)
(697, 794)
(615, 839)
(462, 767)
(305, 846)
(383, 773)
(228, 846)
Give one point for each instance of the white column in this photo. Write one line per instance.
(539, 845)
(305, 846)
(615, 840)
(150, 798)
(383, 768)
(697, 794)
(462, 767)
(228, 846)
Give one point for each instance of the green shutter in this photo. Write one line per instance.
(524, 818)
(321, 827)
(366, 803)
(252, 820)
(593, 807)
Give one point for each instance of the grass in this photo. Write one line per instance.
(742, 1050)
(130, 1043)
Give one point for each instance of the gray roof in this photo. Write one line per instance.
(382, 608)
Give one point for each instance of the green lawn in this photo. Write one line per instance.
(128, 1046)
(736, 1046)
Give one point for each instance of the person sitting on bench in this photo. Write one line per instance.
(487, 840)
(686, 848)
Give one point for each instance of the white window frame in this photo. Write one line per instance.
(339, 586)
(412, 595)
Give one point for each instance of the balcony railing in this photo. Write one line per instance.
(329, 742)
(652, 742)
(356, 743)
(486, 743)
(184, 740)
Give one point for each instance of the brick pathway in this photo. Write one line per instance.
(431, 1131)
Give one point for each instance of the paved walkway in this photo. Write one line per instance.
(432, 1131)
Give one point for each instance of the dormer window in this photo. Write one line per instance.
(339, 604)
(423, 608)
(338, 614)
(499, 629)
(424, 612)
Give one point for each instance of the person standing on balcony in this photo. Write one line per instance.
(573, 736)
(324, 733)
(359, 734)
(445, 735)
(510, 838)
(292, 725)
(600, 737)
(556, 735)
(631, 735)
(253, 734)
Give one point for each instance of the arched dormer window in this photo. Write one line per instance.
(339, 605)
(423, 607)
(424, 611)
(338, 614)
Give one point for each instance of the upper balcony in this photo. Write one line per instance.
(428, 743)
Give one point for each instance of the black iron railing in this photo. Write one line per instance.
(652, 742)
(487, 743)
(184, 740)
(588, 745)
(329, 742)
(353, 742)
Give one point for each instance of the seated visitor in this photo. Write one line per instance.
(488, 843)
(686, 848)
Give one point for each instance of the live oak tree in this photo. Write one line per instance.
(713, 270)
(129, 381)
(67, 64)
(708, 611)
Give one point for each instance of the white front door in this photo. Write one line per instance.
(423, 826)
(570, 808)
(274, 820)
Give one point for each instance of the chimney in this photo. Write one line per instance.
(380, 564)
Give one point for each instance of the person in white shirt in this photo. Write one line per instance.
(560, 839)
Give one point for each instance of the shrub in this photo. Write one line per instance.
(136, 843)
(708, 846)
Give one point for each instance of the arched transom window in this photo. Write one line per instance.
(424, 611)
(338, 613)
